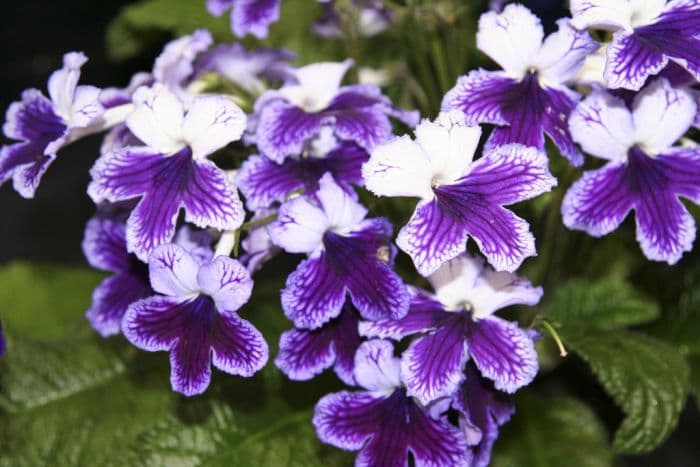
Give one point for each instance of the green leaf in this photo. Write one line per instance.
(647, 378)
(552, 432)
(603, 304)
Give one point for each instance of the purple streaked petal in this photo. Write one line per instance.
(347, 419)
(602, 124)
(479, 94)
(436, 442)
(33, 119)
(283, 128)
(503, 353)
(25, 163)
(227, 281)
(424, 314)
(254, 17)
(662, 114)
(631, 60)
(257, 245)
(111, 299)
(431, 237)
(432, 365)
(599, 201)
(376, 368)
(173, 271)
(104, 245)
(347, 341)
(237, 347)
(313, 294)
(153, 324)
(510, 174)
(174, 66)
(117, 139)
(86, 107)
(682, 169)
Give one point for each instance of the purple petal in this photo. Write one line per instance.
(304, 354)
(599, 201)
(238, 348)
(424, 314)
(510, 174)
(436, 442)
(254, 17)
(432, 365)
(283, 128)
(154, 323)
(503, 353)
(313, 294)
(219, 7)
(111, 299)
(347, 419)
(174, 66)
(196, 242)
(479, 94)
(227, 282)
(682, 169)
(104, 245)
(630, 60)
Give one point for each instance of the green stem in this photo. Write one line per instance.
(553, 333)
(252, 224)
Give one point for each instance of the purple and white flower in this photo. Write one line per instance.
(247, 69)
(383, 422)
(644, 171)
(347, 255)
(257, 246)
(175, 66)
(43, 126)
(459, 197)
(305, 353)
(529, 98)
(647, 36)
(482, 410)
(195, 318)
(264, 182)
(247, 16)
(314, 99)
(172, 170)
(457, 324)
(372, 17)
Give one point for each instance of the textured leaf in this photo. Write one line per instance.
(552, 432)
(604, 304)
(647, 378)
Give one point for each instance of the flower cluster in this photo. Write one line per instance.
(169, 216)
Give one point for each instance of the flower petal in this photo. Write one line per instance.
(211, 123)
(563, 53)
(104, 244)
(299, 227)
(604, 14)
(157, 119)
(630, 61)
(173, 271)
(254, 17)
(303, 354)
(347, 419)
(111, 299)
(376, 368)
(480, 95)
(237, 347)
(283, 129)
(62, 83)
(227, 281)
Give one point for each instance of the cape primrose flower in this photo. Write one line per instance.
(529, 98)
(195, 318)
(458, 323)
(172, 170)
(44, 126)
(314, 99)
(644, 171)
(459, 197)
(647, 35)
(248, 16)
(347, 254)
(383, 422)
(305, 353)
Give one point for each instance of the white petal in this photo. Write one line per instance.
(299, 227)
(157, 119)
(173, 271)
(399, 167)
(317, 84)
(603, 126)
(62, 83)
(450, 144)
(662, 114)
(646, 11)
(511, 38)
(376, 368)
(563, 53)
(211, 123)
(601, 14)
(86, 106)
(341, 209)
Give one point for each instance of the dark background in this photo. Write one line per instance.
(35, 35)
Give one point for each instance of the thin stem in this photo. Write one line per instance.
(553, 333)
(252, 224)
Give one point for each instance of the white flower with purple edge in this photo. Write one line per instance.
(314, 99)
(305, 353)
(529, 98)
(457, 324)
(382, 422)
(194, 318)
(172, 170)
(43, 126)
(459, 197)
(644, 171)
(347, 255)
(248, 16)
(647, 36)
